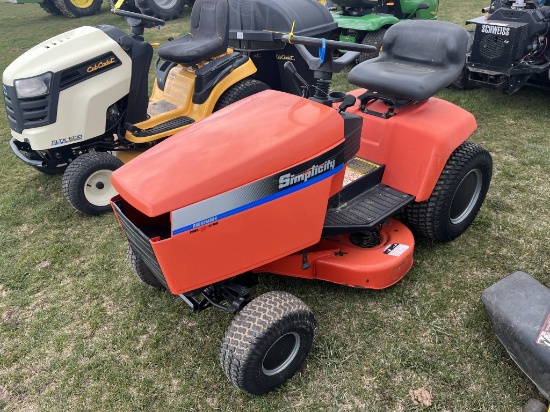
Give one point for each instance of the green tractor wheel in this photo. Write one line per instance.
(78, 8)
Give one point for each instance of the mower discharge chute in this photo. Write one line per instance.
(309, 189)
(76, 98)
(509, 47)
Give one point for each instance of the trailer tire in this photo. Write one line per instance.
(161, 9)
(534, 405)
(49, 7)
(372, 38)
(238, 91)
(267, 342)
(457, 195)
(78, 8)
(141, 270)
(86, 182)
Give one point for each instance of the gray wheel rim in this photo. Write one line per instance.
(281, 354)
(166, 4)
(466, 196)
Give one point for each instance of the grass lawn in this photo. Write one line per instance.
(78, 332)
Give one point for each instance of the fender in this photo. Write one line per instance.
(415, 143)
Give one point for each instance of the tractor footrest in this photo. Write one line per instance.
(172, 124)
(366, 211)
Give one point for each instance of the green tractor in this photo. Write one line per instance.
(366, 21)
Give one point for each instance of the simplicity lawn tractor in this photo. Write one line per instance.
(509, 48)
(76, 99)
(307, 188)
(366, 21)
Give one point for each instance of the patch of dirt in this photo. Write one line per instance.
(421, 397)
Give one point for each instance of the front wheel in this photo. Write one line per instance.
(78, 8)
(267, 342)
(141, 270)
(87, 185)
(457, 196)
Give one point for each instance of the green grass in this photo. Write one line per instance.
(79, 332)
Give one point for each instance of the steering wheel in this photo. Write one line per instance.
(149, 21)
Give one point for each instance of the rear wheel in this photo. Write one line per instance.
(78, 8)
(372, 38)
(267, 342)
(141, 270)
(49, 7)
(161, 9)
(87, 185)
(239, 91)
(457, 196)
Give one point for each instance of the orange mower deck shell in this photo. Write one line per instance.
(212, 164)
(337, 260)
(414, 144)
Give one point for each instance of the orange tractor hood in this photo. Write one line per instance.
(247, 141)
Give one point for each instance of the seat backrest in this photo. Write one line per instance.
(430, 43)
(210, 19)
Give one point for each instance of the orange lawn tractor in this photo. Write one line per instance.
(306, 187)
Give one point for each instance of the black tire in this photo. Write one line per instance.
(86, 182)
(457, 196)
(161, 9)
(372, 38)
(49, 7)
(239, 91)
(267, 342)
(534, 405)
(78, 8)
(141, 270)
(462, 82)
(128, 5)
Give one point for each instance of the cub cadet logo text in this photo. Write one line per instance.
(290, 179)
(284, 57)
(501, 31)
(100, 65)
(66, 140)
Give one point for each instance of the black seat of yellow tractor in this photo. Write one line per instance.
(208, 36)
(418, 58)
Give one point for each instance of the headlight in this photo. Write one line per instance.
(33, 86)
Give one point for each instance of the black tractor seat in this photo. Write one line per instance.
(418, 58)
(208, 36)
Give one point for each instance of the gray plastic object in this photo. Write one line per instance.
(519, 307)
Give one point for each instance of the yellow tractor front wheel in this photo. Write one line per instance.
(78, 8)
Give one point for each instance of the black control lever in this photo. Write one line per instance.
(348, 101)
(290, 68)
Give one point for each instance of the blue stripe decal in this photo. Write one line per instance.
(260, 202)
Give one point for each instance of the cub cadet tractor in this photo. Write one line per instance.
(76, 98)
(366, 21)
(306, 188)
(509, 48)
